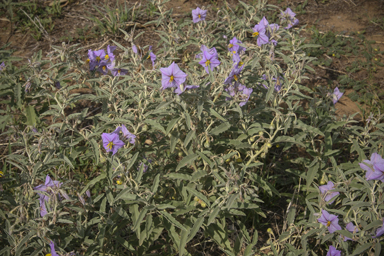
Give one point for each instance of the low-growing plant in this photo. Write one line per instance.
(186, 145)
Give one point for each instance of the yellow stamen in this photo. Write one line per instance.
(240, 63)
(328, 223)
(48, 254)
(110, 145)
(230, 45)
(104, 68)
(88, 60)
(149, 56)
(171, 79)
(118, 71)
(199, 16)
(235, 77)
(1, 174)
(98, 59)
(207, 63)
(106, 56)
(234, 51)
(255, 34)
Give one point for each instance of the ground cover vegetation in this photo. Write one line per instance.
(189, 146)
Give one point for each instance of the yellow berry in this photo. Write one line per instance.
(277, 145)
(269, 230)
(239, 160)
(261, 133)
(196, 199)
(322, 182)
(203, 205)
(269, 145)
(119, 182)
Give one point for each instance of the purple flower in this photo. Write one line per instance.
(145, 168)
(336, 95)
(129, 136)
(2, 66)
(88, 193)
(234, 75)
(110, 55)
(99, 56)
(374, 167)
(211, 51)
(48, 186)
(379, 231)
(180, 89)
(209, 61)
(259, 32)
(53, 251)
(27, 86)
(119, 71)
(198, 15)
(244, 96)
(330, 221)
(153, 58)
(351, 228)
(172, 76)
(290, 16)
(234, 48)
(333, 252)
(104, 67)
(270, 28)
(324, 191)
(57, 84)
(243, 93)
(278, 84)
(134, 48)
(91, 60)
(111, 142)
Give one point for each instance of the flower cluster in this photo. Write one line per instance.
(264, 31)
(104, 62)
(325, 191)
(289, 16)
(277, 85)
(50, 186)
(112, 142)
(374, 167)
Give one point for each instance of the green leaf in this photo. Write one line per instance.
(172, 220)
(171, 125)
(360, 249)
(198, 194)
(140, 218)
(183, 242)
(132, 161)
(213, 215)
(31, 115)
(186, 160)
(92, 182)
(311, 174)
(125, 195)
(205, 158)
(191, 134)
(198, 223)
(221, 128)
(155, 184)
(179, 176)
(96, 152)
(214, 113)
